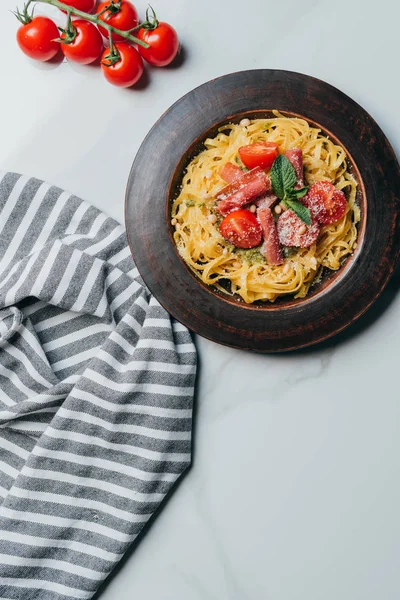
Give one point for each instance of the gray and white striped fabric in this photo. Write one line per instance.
(96, 391)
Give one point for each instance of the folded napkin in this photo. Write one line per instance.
(96, 390)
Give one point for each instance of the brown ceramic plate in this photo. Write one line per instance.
(157, 172)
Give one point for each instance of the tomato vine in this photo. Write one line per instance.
(25, 18)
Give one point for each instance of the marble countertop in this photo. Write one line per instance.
(294, 490)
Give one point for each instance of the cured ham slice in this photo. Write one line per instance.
(270, 248)
(295, 156)
(231, 173)
(267, 200)
(234, 196)
(293, 232)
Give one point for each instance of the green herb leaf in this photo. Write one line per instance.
(283, 176)
(295, 194)
(299, 210)
(283, 179)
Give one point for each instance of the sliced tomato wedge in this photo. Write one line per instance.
(293, 232)
(241, 229)
(326, 204)
(230, 173)
(271, 248)
(242, 191)
(259, 154)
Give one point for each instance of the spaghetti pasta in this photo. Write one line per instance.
(214, 260)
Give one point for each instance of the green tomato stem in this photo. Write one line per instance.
(153, 23)
(24, 17)
(114, 55)
(94, 19)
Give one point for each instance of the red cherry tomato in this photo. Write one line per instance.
(87, 45)
(241, 229)
(293, 232)
(326, 204)
(126, 18)
(127, 71)
(260, 154)
(87, 6)
(36, 39)
(163, 41)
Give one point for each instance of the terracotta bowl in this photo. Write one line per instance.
(156, 175)
(329, 277)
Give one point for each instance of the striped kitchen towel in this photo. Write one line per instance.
(96, 391)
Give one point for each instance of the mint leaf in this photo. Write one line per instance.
(299, 210)
(295, 194)
(283, 180)
(283, 176)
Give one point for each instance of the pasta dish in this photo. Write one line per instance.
(265, 208)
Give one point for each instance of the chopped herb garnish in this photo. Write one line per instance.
(252, 255)
(288, 251)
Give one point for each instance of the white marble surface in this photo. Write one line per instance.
(294, 492)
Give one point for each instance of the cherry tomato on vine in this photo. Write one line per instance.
(86, 44)
(36, 38)
(87, 6)
(123, 66)
(121, 15)
(162, 40)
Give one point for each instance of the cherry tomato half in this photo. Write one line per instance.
(241, 229)
(127, 71)
(36, 39)
(87, 6)
(126, 18)
(260, 154)
(326, 204)
(87, 45)
(164, 44)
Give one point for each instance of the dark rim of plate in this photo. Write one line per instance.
(292, 325)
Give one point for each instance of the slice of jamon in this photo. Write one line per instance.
(234, 196)
(270, 248)
(266, 200)
(231, 173)
(293, 232)
(295, 156)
